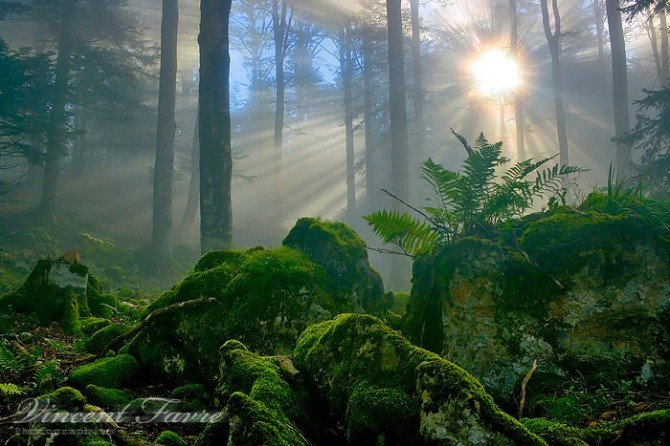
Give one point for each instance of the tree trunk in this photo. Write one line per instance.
(56, 133)
(162, 192)
(665, 56)
(554, 40)
(519, 118)
(369, 112)
(653, 39)
(279, 29)
(419, 125)
(346, 69)
(193, 203)
(619, 86)
(216, 161)
(599, 20)
(399, 155)
(399, 143)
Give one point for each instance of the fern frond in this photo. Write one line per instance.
(9, 389)
(403, 230)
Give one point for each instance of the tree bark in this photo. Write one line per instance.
(216, 162)
(193, 202)
(554, 40)
(599, 20)
(519, 117)
(419, 125)
(619, 86)
(163, 168)
(346, 69)
(56, 133)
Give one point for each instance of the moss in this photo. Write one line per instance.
(65, 398)
(265, 302)
(260, 406)
(341, 252)
(651, 428)
(169, 438)
(355, 358)
(106, 398)
(95, 441)
(103, 305)
(90, 325)
(102, 337)
(54, 292)
(214, 259)
(112, 372)
(189, 391)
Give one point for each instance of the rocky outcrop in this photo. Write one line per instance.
(584, 292)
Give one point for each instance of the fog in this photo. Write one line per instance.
(111, 189)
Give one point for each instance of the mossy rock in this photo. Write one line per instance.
(355, 359)
(264, 298)
(65, 398)
(260, 407)
(645, 429)
(55, 291)
(586, 293)
(343, 255)
(113, 372)
(101, 338)
(169, 438)
(90, 325)
(106, 398)
(103, 305)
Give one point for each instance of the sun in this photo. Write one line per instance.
(495, 73)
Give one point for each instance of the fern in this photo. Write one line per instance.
(474, 200)
(9, 389)
(401, 229)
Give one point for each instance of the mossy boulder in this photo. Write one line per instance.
(169, 438)
(56, 291)
(583, 292)
(260, 406)
(113, 372)
(264, 298)
(106, 398)
(645, 429)
(343, 255)
(64, 398)
(104, 336)
(387, 391)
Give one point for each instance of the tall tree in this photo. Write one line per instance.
(665, 55)
(369, 108)
(216, 161)
(399, 141)
(554, 40)
(193, 201)
(599, 21)
(281, 25)
(518, 104)
(347, 76)
(56, 133)
(162, 191)
(419, 97)
(619, 86)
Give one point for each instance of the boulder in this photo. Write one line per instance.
(583, 292)
(56, 291)
(264, 298)
(343, 255)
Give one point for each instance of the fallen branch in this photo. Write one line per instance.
(524, 383)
